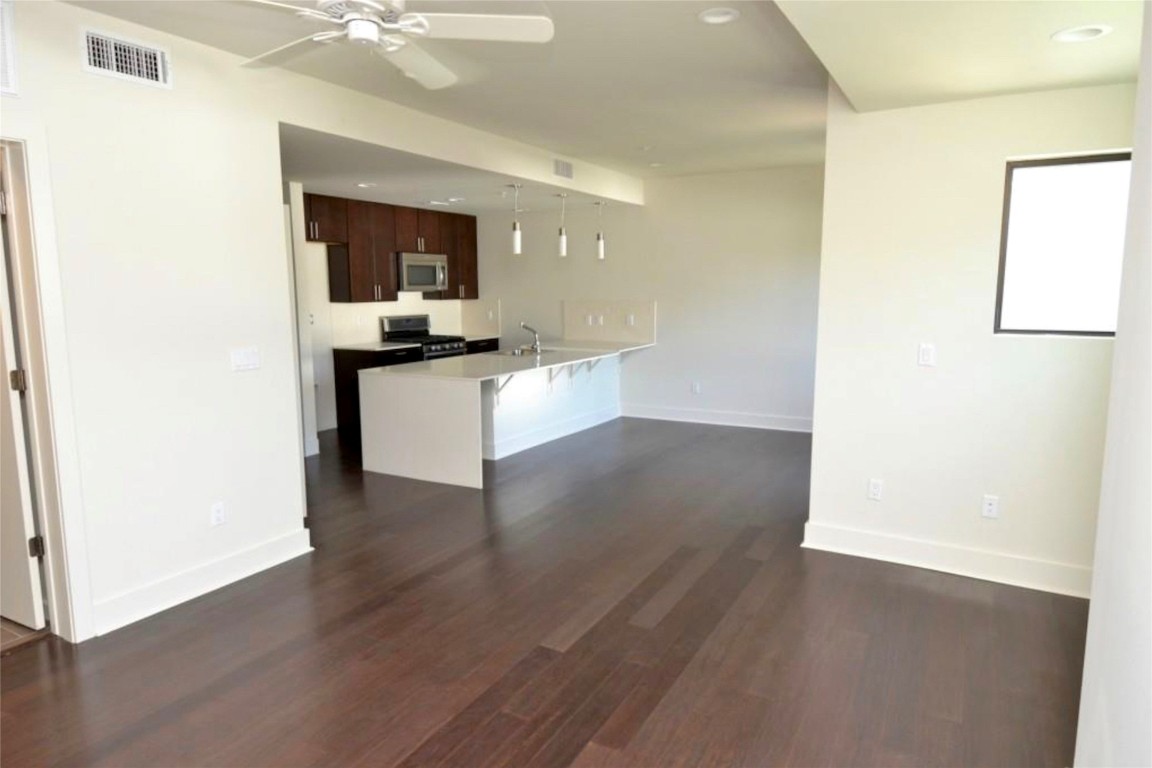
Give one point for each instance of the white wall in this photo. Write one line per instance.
(912, 213)
(1116, 697)
(170, 252)
(731, 260)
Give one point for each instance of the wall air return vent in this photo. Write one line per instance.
(125, 59)
(7, 49)
(562, 168)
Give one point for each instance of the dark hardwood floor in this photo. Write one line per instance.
(631, 595)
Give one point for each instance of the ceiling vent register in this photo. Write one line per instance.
(562, 168)
(127, 60)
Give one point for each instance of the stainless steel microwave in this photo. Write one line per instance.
(423, 272)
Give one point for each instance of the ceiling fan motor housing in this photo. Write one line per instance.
(363, 31)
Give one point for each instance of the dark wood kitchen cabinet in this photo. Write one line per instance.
(418, 230)
(478, 346)
(326, 219)
(346, 366)
(364, 269)
(458, 233)
(363, 240)
(468, 283)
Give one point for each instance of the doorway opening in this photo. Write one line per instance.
(24, 435)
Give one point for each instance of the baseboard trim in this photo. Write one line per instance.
(719, 418)
(1044, 575)
(525, 440)
(137, 604)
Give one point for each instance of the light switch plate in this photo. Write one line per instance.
(245, 358)
(990, 507)
(926, 355)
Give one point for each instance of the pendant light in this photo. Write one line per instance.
(516, 244)
(563, 234)
(600, 229)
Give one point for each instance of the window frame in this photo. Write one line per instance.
(1012, 165)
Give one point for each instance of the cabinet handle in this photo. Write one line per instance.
(314, 228)
(461, 290)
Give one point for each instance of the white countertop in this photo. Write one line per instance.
(598, 346)
(376, 346)
(491, 365)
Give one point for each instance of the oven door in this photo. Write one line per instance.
(423, 272)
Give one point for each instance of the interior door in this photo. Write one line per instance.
(21, 591)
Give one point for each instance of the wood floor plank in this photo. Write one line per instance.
(632, 595)
(470, 720)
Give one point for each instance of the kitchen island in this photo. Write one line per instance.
(438, 420)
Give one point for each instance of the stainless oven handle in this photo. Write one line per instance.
(443, 281)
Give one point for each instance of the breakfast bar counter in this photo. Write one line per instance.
(438, 420)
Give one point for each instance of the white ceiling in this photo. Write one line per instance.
(334, 165)
(886, 54)
(625, 83)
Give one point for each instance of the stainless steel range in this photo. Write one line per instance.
(415, 329)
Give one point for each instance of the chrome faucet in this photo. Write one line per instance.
(535, 337)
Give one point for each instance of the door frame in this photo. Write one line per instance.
(40, 318)
(23, 572)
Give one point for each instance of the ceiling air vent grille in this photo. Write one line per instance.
(8, 54)
(131, 61)
(562, 168)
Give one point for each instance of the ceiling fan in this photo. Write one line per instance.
(385, 27)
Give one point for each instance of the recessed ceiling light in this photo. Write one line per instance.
(655, 165)
(438, 202)
(719, 15)
(366, 184)
(455, 199)
(1081, 34)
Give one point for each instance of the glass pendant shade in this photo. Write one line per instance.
(600, 246)
(563, 243)
(516, 244)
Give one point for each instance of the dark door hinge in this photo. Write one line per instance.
(36, 546)
(18, 380)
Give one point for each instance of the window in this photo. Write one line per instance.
(1062, 245)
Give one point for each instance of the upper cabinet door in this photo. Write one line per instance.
(431, 240)
(326, 219)
(384, 250)
(466, 258)
(407, 229)
(361, 278)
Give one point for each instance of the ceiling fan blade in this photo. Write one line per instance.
(482, 26)
(300, 10)
(276, 55)
(421, 66)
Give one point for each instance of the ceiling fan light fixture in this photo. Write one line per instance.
(1081, 34)
(363, 31)
(719, 16)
